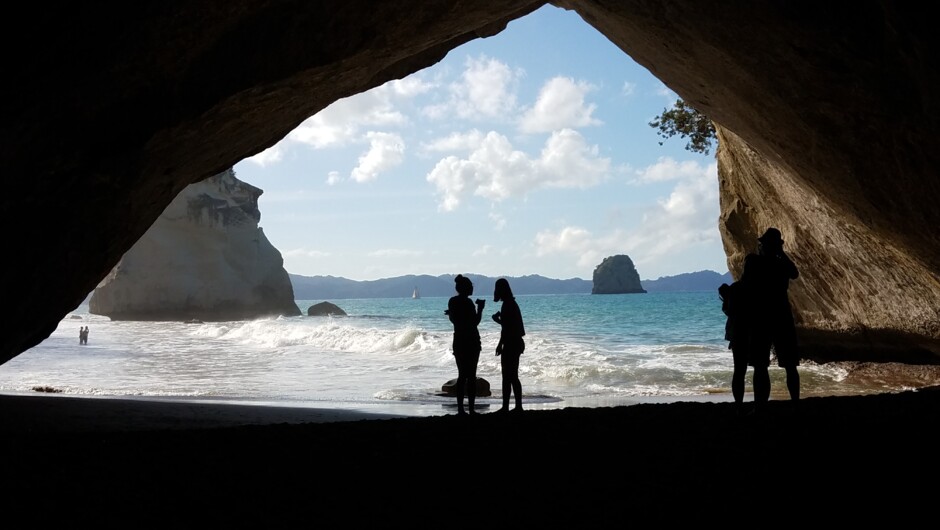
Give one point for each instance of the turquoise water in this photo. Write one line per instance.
(581, 350)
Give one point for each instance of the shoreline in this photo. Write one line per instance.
(39, 412)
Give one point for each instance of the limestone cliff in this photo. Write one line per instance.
(616, 275)
(204, 258)
(858, 296)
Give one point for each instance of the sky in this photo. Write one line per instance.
(528, 152)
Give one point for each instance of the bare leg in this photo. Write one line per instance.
(761, 386)
(793, 382)
(461, 388)
(471, 392)
(737, 386)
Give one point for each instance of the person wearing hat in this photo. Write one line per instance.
(467, 344)
(767, 276)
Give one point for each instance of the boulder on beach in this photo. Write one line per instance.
(324, 309)
(483, 388)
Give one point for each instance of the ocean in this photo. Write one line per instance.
(393, 355)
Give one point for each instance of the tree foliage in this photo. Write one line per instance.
(689, 123)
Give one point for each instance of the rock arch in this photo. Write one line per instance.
(124, 106)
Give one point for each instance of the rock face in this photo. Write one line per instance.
(324, 309)
(838, 97)
(204, 258)
(616, 275)
(857, 298)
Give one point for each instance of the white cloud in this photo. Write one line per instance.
(628, 88)
(687, 217)
(560, 105)
(486, 91)
(685, 220)
(270, 155)
(495, 171)
(386, 150)
(340, 123)
(663, 90)
(499, 222)
(457, 141)
(482, 251)
(305, 253)
(410, 86)
(666, 169)
(395, 253)
(569, 240)
(579, 243)
(570, 162)
(333, 178)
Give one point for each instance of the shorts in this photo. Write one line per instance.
(467, 363)
(509, 365)
(739, 354)
(781, 340)
(516, 346)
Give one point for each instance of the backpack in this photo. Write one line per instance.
(732, 298)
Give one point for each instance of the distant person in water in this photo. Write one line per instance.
(466, 319)
(737, 333)
(83, 335)
(767, 276)
(511, 345)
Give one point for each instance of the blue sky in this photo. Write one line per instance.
(528, 152)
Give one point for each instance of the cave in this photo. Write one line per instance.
(825, 114)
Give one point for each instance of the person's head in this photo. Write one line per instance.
(771, 242)
(463, 285)
(502, 290)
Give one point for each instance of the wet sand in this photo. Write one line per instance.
(139, 463)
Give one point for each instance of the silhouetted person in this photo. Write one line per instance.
(83, 335)
(511, 345)
(737, 333)
(767, 276)
(467, 346)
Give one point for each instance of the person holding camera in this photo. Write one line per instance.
(467, 345)
(767, 276)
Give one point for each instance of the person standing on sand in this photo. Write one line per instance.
(511, 345)
(738, 336)
(767, 276)
(467, 345)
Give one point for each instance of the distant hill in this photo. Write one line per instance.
(690, 281)
(331, 287)
(337, 288)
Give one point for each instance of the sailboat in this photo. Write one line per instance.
(415, 294)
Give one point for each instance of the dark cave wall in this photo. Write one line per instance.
(111, 109)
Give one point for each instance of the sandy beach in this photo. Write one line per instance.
(139, 463)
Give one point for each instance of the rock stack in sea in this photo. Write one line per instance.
(325, 309)
(204, 258)
(616, 275)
